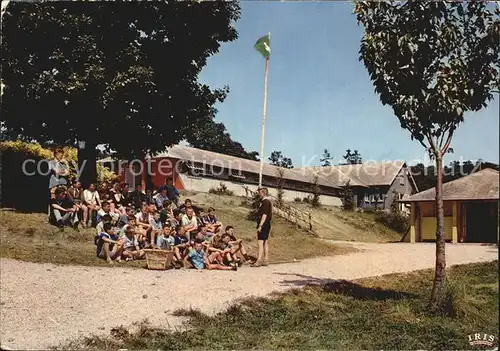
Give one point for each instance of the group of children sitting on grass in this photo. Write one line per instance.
(196, 237)
(127, 222)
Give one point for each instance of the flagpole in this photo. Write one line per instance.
(263, 132)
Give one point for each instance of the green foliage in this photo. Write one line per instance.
(315, 201)
(279, 187)
(431, 62)
(254, 210)
(395, 218)
(70, 155)
(213, 136)
(347, 197)
(352, 157)
(277, 159)
(297, 199)
(306, 200)
(221, 190)
(398, 221)
(133, 89)
(326, 158)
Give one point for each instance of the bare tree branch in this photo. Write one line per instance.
(448, 142)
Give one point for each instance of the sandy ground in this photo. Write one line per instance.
(44, 305)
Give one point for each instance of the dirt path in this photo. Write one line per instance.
(43, 305)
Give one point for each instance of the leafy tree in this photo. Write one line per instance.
(213, 136)
(315, 194)
(277, 159)
(432, 62)
(326, 158)
(253, 214)
(121, 74)
(347, 197)
(352, 157)
(280, 192)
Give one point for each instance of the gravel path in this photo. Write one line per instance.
(44, 305)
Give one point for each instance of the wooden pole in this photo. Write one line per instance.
(263, 133)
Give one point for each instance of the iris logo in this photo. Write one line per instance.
(482, 339)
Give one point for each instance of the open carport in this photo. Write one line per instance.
(470, 210)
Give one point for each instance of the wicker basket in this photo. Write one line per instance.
(158, 259)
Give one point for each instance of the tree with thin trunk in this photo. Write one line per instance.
(432, 62)
(280, 192)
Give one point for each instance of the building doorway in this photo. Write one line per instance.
(481, 222)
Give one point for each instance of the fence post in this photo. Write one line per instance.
(310, 222)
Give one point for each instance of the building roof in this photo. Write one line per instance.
(239, 164)
(481, 185)
(336, 175)
(366, 174)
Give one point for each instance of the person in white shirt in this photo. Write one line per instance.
(91, 200)
(190, 222)
(143, 220)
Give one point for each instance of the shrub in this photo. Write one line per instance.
(369, 209)
(306, 200)
(221, 190)
(315, 193)
(398, 221)
(279, 187)
(254, 210)
(70, 154)
(297, 199)
(347, 197)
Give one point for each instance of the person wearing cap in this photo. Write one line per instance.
(265, 214)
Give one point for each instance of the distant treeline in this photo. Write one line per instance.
(425, 177)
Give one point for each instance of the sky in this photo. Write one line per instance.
(319, 93)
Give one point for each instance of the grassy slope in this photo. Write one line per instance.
(387, 312)
(29, 237)
(335, 224)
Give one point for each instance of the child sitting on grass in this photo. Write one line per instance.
(236, 244)
(199, 259)
(166, 240)
(181, 248)
(108, 245)
(131, 249)
(100, 226)
(156, 229)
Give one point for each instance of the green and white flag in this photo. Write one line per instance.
(263, 45)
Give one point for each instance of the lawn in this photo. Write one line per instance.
(29, 237)
(386, 312)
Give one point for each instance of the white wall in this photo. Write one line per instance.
(205, 184)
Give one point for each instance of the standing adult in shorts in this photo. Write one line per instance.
(263, 227)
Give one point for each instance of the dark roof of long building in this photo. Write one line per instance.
(236, 164)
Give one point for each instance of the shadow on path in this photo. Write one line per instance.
(345, 287)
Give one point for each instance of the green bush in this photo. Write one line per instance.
(397, 221)
(306, 200)
(369, 210)
(254, 210)
(221, 190)
(297, 199)
(347, 197)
